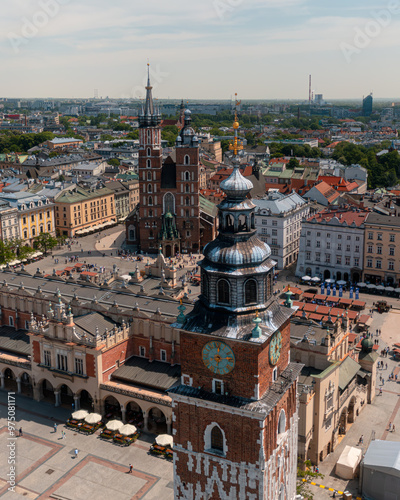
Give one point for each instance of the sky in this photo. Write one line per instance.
(208, 49)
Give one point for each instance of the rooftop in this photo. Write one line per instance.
(340, 216)
(154, 374)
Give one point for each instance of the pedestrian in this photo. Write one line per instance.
(55, 427)
(393, 428)
(380, 391)
(76, 452)
(334, 494)
(20, 431)
(385, 366)
(130, 468)
(390, 426)
(63, 434)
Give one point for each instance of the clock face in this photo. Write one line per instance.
(275, 347)
(218, 357)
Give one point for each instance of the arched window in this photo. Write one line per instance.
(187, 213)
(187, 176)
(11, 320)
(229, 223)
(150, 200)
(223, 290)
(148, 152)
(253, 224)
(149, 176)
(132, 234)
(282, 422)
(217, 439)
(187, 201)
(148, 163)
(149, 188)
(250, 292)
(150, 213)
(169, 203)
(187, 160)
(187, 188)
(151, 234)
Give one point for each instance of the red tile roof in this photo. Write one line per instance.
(327, 191)
(347, 217)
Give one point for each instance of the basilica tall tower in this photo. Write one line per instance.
(235, 412)
(150, 170)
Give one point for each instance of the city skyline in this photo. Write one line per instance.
(260, 49)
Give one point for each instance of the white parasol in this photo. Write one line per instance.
(80, 414)
(114, 425)
(164, 440)
(127, 430)
(93, 418)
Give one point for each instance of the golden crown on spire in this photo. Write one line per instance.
(236, 145)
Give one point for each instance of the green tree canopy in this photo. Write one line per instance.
(45, 242)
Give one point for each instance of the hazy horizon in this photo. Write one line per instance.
(210, 50)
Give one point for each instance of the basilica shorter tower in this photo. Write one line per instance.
(235, 411)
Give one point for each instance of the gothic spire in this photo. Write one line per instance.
(149, 116)
(149, 108)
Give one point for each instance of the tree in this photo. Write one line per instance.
(133, 135)
(7, 253)
(293, 163)
(304, 474)
(45, 242)
(114, 162)
(106, 137)
(24, 251)
(170, 133)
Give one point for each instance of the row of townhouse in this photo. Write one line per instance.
(25, 215)
(351, 245)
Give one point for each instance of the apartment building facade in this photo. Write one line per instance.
(35, 215)
(81, 209)
(332, 245)
(382, 249)
(278, 223)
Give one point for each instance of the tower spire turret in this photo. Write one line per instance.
(149, 117)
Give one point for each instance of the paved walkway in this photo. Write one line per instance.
(101, 250)
(373, 421)
(46, 466)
